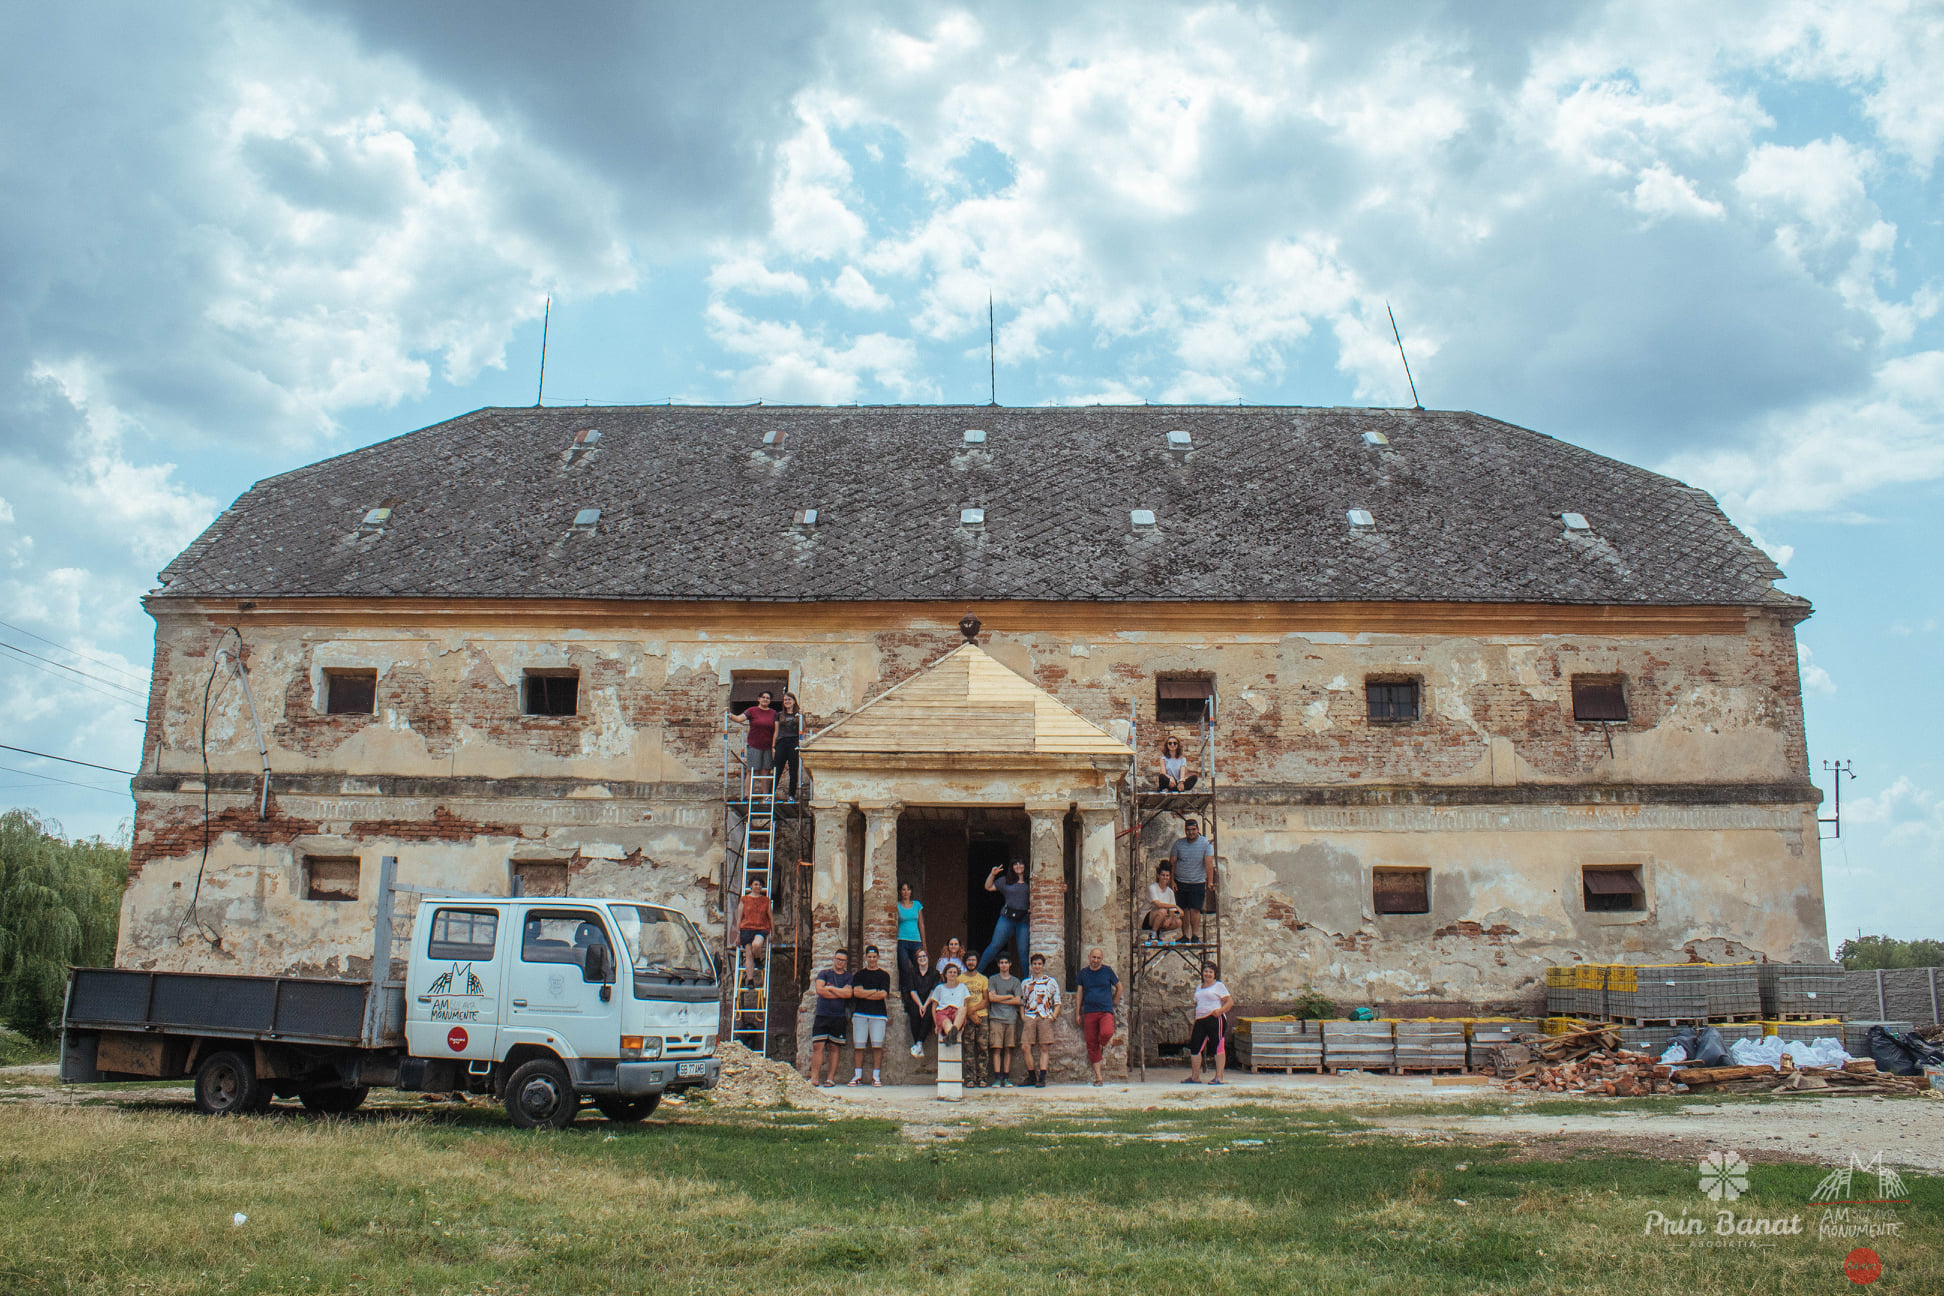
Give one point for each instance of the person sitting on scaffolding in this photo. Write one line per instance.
(759, 754)
(1163, 914)
(754, 925)
(1191, 856)
(1175, 775)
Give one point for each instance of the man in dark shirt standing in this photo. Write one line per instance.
(828, 1026)
(1015, 919)
(1100, 993)
(870, 988)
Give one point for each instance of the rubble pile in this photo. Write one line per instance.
(1590, 1061)
(749, 1080)
(1594, 1062)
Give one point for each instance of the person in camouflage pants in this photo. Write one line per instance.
(978, 1066)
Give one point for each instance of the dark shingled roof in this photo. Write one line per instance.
(695, 506)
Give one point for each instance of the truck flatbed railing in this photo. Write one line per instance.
(291, 1010)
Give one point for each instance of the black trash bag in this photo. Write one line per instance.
(1708, 1049)
(1900, 1054)
(1685, 1038)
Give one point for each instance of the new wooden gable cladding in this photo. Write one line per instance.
(967, 702)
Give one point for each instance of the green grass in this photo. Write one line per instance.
(105, 1199)
(18, 1050)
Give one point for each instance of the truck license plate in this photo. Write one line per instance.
(689, 1070)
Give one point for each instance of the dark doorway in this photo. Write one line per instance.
(945, 853)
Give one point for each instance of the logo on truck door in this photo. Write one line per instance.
(444, 995)
(456, 1039)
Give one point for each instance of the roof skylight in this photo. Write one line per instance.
(588, 518)
(1575, 522)
(1179, 440)
(587, 437)
(377, 517)
(806, 517)
(975, 436)
(971, 517)
(774, 436)
(1361, 519)
(1141, 517)
(1375, 439)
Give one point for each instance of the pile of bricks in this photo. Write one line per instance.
(1592, 1062)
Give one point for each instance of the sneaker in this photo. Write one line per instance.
(876, 1083)
(917, 1050)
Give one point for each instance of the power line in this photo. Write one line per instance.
(85, 656)
(70, 782)
(117, 696)
(73, 670)
(24, 751)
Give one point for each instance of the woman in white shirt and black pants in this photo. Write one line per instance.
(1213, 1003)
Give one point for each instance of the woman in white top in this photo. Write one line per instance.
(1174, 776)
(1213, 1003)
(947, 1005)
(1163, 914)
(953, 955)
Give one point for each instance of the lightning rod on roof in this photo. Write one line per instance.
(546, 319)
(1415, 402)
(992, 351)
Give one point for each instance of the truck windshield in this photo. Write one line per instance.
(662, 943)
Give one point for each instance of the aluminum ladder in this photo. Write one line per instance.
(749, 1004)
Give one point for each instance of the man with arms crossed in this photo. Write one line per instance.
(869, 990)
(830, 1024)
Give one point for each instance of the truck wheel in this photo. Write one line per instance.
(227, 1085)
(627, 1109)
(333, 1100)
(540, 1095)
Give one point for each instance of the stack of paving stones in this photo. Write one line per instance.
(1429, 1045)
(1802, 990)
(1264, 1044)
(1358, 1046)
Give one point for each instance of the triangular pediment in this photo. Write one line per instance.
(966, 702)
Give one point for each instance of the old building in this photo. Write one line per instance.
(1481, 701)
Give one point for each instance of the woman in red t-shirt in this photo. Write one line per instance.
(760, 720)
(753, 926)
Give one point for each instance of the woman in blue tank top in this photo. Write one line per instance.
(911, 936)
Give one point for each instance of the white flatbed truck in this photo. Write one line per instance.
(544, 1002)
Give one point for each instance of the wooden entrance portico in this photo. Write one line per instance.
(967, 731)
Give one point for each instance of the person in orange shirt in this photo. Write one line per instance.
(754, 926)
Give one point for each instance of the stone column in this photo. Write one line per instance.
(829, 906)
(1103, 914)
(881, 880)
(1049, 887)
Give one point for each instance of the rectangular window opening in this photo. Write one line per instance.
(560, 937)
(1600, 698)
(540, 877)
(1391, 701)
(350, 692)
(1613, 890)
(1184, 699)
(330, 877)
(463, 934)
(550, 693)
(1400, 890)
(746, 686)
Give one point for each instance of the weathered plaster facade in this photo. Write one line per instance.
(1496, 790)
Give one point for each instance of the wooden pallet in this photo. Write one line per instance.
(1419, 1068)
(1291, 1069)
(1738, 1019)
(1379, 1067)
(1801, 1016)
(1662, 1021)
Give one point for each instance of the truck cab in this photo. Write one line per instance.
(553, 999)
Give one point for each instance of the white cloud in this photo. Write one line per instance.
(855, 291)
(793, 365)
(1663, 193)
(1814, 678)
(749, 275)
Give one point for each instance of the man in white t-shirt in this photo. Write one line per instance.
(1163, 914)
(1213, 1003)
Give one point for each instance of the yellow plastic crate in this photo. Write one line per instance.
(1832, 1027)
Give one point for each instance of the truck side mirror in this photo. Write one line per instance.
(594, 963)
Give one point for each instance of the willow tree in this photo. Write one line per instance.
(60, 904)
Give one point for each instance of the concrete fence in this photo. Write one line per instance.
(1896, 994)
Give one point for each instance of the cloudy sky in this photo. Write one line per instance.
(236, 238)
